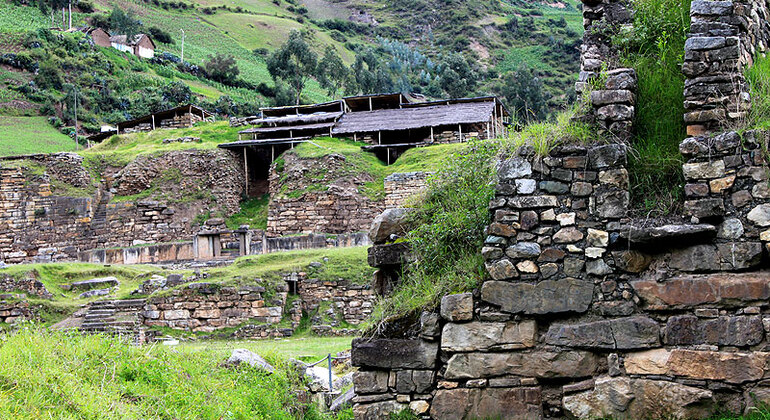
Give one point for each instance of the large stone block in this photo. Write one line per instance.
(370, 382)
(390, 254)
(389, 222)
(623, 333)
(487, 403)
(540, 364)
(625, 398)
(714, 365)
(550, 296)
(511, 169)
(695, 258)
(723, 331)
(481, 336)
(377, 410)
(457, 307)
(394, 353)
(724, 289)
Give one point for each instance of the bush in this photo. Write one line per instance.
(160, 35)
(85, 6)
(452, 219)
(222, 68)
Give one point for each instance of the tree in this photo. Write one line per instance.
(293, 63)
(458, 78)
(222, 68)
(524, 92)
(332, 73)
(124, 23)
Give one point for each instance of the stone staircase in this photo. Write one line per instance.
(119, 317)
(99, 219)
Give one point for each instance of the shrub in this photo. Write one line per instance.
(222, 68)
(160, 35)
(452, 218)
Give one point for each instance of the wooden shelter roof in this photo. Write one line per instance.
(263, 142)
(287, 128)
(317, 117)
(416, 116)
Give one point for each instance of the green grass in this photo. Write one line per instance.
(758, 77)
(54, 275)
(307, 349)
(121, 150)
(654, 50)
(71, 376)
(253, 213)
(29, 135)
(343, 263)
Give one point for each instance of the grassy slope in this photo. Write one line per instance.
(56, 375)
(27, 135)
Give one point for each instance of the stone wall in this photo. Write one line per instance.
(208, 307)
(725, 37)
(149, 254)
(13, 311)
(28, 285)
(350, 302)
(400, 187)
(319, 196)
(39, 222)
(588, 313)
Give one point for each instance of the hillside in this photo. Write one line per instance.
(387, 46)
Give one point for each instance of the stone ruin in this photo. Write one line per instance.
(586, 312)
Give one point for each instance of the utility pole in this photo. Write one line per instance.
(182, 44)
(69, 4)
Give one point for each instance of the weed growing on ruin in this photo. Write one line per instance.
(451, 218)
(655, 49)
(543, 137)
(758, 78)
(67, 375)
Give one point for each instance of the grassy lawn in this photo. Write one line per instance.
(307, 349)
(28, 135)
(72, 376)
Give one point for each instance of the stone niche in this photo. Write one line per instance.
(588, 313)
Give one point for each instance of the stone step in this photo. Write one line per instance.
(92, 318)
(93, 311)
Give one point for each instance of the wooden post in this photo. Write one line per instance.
(379, 137)
(494, 119)
(246, 170)
(272, 154)
(460, 127)
(488, 133)
(431, 134)
(191, 115)
(370, 104)
(355, 137)
(153, 121)
(387, 151)
(239, 137)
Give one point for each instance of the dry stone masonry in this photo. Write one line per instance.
(400, 187)
(588, 313)
(725, 37)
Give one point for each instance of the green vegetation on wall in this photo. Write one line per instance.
(758, 78)
(655, 48)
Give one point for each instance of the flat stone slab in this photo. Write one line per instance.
(94, 292)
(565, 295)
(488, 403)
(252, 359)
(723, 289)
(730, 367)
(394, 353)
(668, 236)
(101, 282)
(539, 364)
(480, 336)
(636, 332)
(390, 254)
(625, 398)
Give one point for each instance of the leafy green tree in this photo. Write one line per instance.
(458, 78)
(523, 90)
(332, 72)
(294, 63)
(124, 22)
(222, 68)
